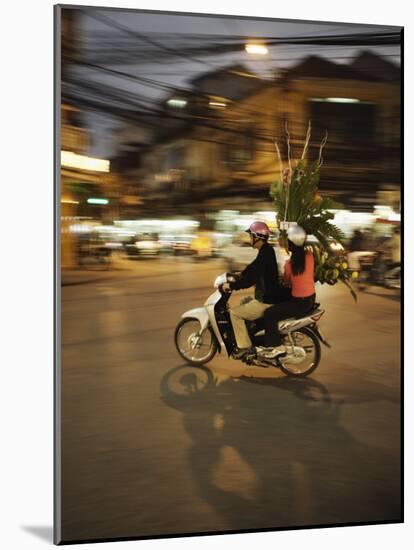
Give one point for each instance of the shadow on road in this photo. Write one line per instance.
(270, 453)
(393, 296)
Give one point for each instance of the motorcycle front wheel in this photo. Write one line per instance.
(194, 347)
(303, 362)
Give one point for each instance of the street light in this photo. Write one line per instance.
(178, 103)
(97, 201)
(342, 100)
(335, 100)
(256, 49)
(82, 162)
(217, 104)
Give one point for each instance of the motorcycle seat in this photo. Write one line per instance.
(258, 324)
(316, 306)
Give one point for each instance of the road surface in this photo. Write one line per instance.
(152, 446)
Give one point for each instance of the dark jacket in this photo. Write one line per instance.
(263, 273)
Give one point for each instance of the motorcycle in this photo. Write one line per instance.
(204, 331)
(375, 272)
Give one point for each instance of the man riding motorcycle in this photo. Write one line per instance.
(263, 274)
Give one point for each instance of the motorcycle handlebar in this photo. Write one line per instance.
(233, 276)
(221, 289)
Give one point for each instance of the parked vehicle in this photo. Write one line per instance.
(182, 247)
(92, 250)
(204, 331)
(374, 271)
(143, 245)
(202, 247)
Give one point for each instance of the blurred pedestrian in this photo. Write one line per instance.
(358, 247)
(357, 241)
(395, 246)
(390, 252)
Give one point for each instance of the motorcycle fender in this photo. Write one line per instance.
(201, 314)
(321, 338)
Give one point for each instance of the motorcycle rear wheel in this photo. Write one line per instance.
(307, 339)
(195, 348)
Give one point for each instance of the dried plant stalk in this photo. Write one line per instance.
(279, 158)
(308, 136)
(323, 143)
(288, 145)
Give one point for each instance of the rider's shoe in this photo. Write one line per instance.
(239, 353)
(271, 353)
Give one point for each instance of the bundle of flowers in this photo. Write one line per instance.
(332, 269)
(297, 199)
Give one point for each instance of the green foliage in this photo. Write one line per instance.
(331, 268)
(298, 200)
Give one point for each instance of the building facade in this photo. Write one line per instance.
(228, 153)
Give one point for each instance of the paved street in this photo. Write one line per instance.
(151, 446)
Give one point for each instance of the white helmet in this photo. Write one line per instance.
(297, 235)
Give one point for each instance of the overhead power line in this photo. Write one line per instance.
(192, 53)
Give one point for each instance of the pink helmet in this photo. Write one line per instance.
(259, 229)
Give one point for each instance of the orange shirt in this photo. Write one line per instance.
(303, 285)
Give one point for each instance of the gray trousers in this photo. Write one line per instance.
(246, 312)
